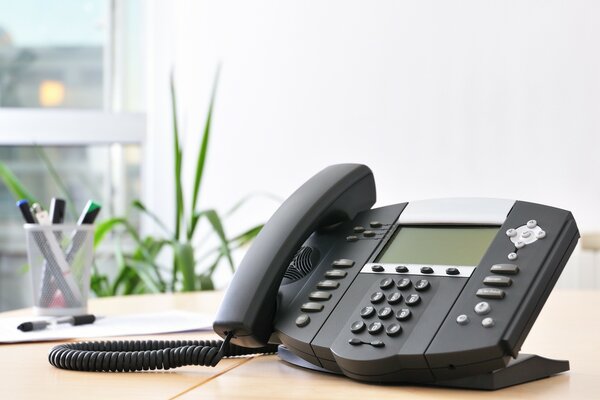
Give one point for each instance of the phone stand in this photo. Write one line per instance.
(524, 368)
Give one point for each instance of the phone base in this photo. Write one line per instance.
(525, 368)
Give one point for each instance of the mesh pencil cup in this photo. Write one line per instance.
(60, 259)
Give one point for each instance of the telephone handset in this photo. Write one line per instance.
(439, 292)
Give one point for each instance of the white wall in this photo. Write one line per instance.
(471, 98)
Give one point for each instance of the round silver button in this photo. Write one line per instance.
(540, 234)
(512, 256)
(520, 244)
(532, 223)
(526, 234)
(487, 322)
(462, 319)
(511, 232)
(482, 308)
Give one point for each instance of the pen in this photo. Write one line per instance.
(57, 216)
(41, 325)
(89, 214)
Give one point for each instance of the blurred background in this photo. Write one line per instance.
(440, 99)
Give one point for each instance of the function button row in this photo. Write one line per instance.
(343, 263)
(501, 281)
(505, 269)
(311, 307)
(490, 293)
(411, 299)
(319, 296)
(385, 313)
(328, 285)
(336, 274)
(374, 328)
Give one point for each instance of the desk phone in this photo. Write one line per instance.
(439, 292)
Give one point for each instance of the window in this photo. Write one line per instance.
(71, 94)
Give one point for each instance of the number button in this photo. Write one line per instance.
(385, 313)
(377, 297)
(393, 330)
(394, 298)
(367, 312)
(357, 326)
(413, 300)
(386, 283)
(403, 314)
(403, 283)
(375, 327)
(422, 285)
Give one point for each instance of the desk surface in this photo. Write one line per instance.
(568, 328)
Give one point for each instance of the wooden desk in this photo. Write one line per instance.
(568, 328)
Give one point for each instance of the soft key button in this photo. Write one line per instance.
(343, 263)
(502, 281)
(336, 274)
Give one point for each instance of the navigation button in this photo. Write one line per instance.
(319, 296)
(302, 320)
(311, 307)
(328, 285)
(489, 293)
(532, 223)
(512, 256)
(336, 274)
(343, 263)
(505, 269)
(502, 281)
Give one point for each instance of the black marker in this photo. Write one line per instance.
(57, 210)
(41, 325)
(89, 214)
(27, 215)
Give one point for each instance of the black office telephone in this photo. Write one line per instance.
(439, 292)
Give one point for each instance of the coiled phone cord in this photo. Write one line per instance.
(143, 355)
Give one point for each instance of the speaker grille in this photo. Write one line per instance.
(301, 264)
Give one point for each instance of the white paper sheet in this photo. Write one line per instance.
(122, 325)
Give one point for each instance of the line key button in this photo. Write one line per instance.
(328, 285)
(343, 263)
(494, 280)
(505, 269)
(490, 293)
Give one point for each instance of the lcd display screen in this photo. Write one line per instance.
(438, 245)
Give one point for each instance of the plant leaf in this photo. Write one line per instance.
(106, 226)
(201, 161)
(178, 157)
(14, 185)
(140, 206)
(184, 253)
(217, 226)
(206, 282)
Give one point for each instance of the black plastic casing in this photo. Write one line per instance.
(432, 346)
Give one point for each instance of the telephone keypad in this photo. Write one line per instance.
(302, 320)
(311, 307)
(393, 330)
(394, 298)
(422, 285)
(386, 283)
(336, 274)
(377, 297)
(403, 314)
(357, 326)
(403, 283)
(367, 312)
(385, 313)
(375, 327)
(319, 296)
(328, 285)
(413, 300)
